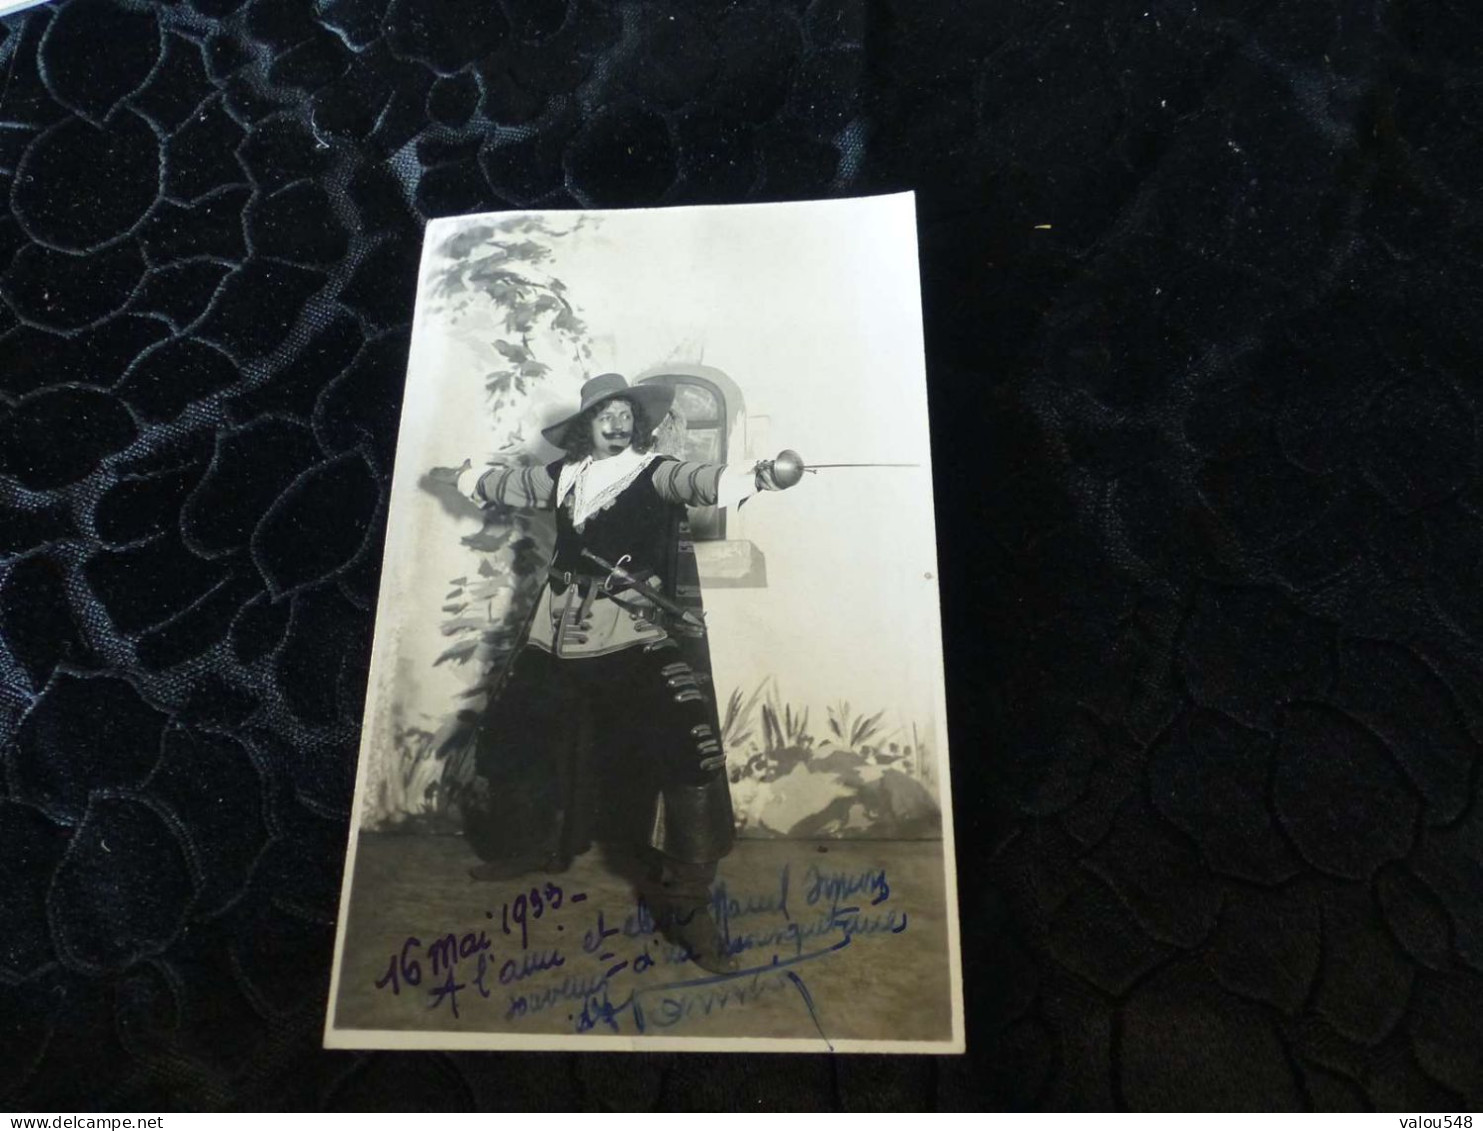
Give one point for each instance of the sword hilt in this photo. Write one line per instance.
(788, 468)
(689, 616)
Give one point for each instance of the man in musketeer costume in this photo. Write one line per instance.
(604, 726)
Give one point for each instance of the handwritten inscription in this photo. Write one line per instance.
(621, 971)
(532, 905)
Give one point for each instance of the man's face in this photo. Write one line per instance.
(612, 429)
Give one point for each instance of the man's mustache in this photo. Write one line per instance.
(617, 435)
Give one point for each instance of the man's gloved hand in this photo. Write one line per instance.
(778, 474)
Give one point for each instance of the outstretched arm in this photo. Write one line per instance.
(501, 486)
(712, 484)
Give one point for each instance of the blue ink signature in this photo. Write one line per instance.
(838, 886)
(444, 953)
(626, 950)
(684, 999)
(849, 921)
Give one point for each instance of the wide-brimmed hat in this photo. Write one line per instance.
(655, 400)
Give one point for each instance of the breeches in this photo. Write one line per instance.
(606, 748)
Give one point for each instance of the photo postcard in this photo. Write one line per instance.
(655, 742)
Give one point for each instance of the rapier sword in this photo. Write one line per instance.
(789, 467)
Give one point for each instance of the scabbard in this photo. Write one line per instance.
(649, 593)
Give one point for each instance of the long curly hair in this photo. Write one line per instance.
(576, 441)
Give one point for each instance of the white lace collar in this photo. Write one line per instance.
(595, 484)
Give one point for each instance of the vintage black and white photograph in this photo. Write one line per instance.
(655, 747)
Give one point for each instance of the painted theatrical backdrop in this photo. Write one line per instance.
(826, 682)
(779, 326)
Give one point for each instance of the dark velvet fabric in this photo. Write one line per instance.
(1201, 287)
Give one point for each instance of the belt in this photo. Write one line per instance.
(561, 578)
(588, 619)
(594, 586)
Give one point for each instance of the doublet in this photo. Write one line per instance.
(581, 612)
(601, 725)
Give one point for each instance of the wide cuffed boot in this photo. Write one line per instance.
(679, 893)
(695, 929)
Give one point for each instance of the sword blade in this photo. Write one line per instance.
(817, 465)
